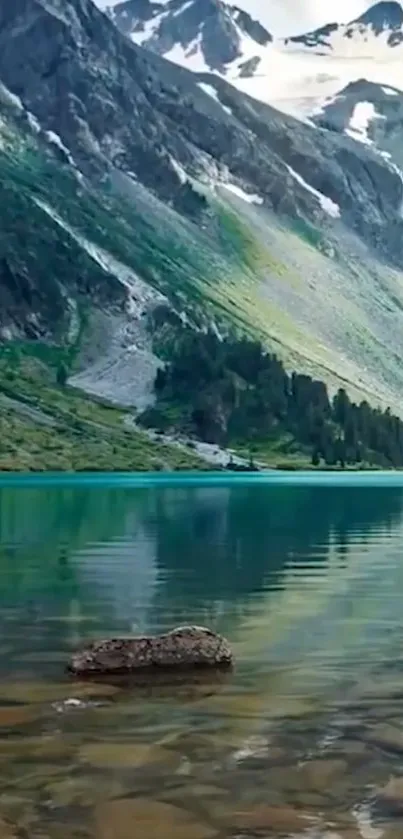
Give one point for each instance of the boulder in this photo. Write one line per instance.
(184, 647)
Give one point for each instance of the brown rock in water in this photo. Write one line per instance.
(386, 736)
(7, 831)
(184, 647)
(146, 818)
(14, 716)
(127, 755)
(391, 796)
(284, 819)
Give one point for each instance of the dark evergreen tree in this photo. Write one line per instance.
(315, 460)
(62, 374)
(233, 390)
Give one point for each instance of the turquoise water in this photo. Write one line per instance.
(304, 575)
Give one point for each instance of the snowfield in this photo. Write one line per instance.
(299, 82)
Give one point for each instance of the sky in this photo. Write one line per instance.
(287, 17)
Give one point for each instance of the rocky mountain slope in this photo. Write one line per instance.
(133, 189)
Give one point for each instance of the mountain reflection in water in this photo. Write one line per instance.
(301, 740)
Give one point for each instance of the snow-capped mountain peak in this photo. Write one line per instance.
(203, 35)
(373, 33)
(384, 15)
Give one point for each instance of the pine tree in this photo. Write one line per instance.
(62, 374)
(315, 459)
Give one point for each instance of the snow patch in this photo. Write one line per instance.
(54, 138)
(390, 91)
(364, 113)
(191, 56)
(211, 91)
(183, 178)
(33, 123)
(327, 204)
(9, 98)
(182, 8)
(240, 193)
(149, 29)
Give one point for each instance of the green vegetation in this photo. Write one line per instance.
(46, 426)
(210, 271)
(233, 392)
(59, 241)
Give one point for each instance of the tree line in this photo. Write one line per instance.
(232, 390)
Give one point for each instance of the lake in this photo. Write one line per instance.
(303, 574)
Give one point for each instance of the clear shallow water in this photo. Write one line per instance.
(304, 574)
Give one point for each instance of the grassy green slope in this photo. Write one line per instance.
(240, 268)
(46, 427)
(325, 315)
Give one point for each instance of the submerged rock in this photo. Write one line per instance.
(284, 819)
(390, 797)
(141, 818)
(184, 647)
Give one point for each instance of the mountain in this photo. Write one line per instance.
(369, 113)
(203, 35)
(139, 197)
(295, 75)
(372, 34)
